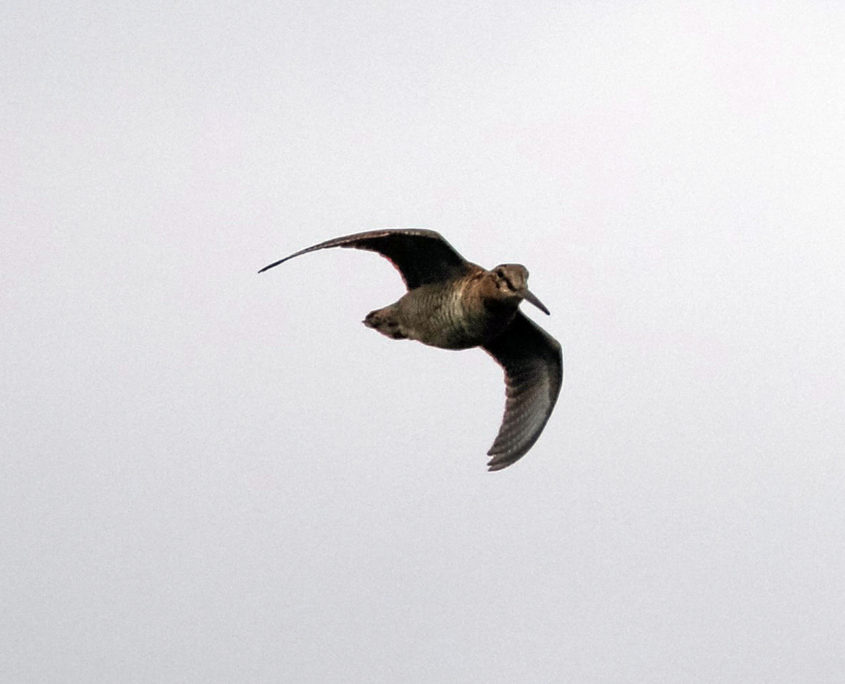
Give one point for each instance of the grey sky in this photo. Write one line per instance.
(210, 475)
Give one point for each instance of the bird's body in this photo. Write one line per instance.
(452, 314)
(454, 304)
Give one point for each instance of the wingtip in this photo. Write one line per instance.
(498, 462)
(275, 263)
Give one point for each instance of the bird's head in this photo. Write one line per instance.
(511, 282)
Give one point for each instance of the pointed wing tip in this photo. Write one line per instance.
(269, 266)
(501, 460)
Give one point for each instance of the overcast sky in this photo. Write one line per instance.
(213, 475)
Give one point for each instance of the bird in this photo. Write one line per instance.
(452, 303)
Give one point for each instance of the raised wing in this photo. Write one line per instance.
(421, 256)
(533, 363)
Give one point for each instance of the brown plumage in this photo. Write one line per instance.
(454, 304)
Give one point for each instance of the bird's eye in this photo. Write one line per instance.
(504, 281)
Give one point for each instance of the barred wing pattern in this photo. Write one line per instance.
(533, 364)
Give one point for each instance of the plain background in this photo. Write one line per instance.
(211, 475)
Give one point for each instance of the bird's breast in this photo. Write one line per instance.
(452, 315)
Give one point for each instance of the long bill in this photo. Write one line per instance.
(531, 297)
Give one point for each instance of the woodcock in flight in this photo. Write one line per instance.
(454, 304)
